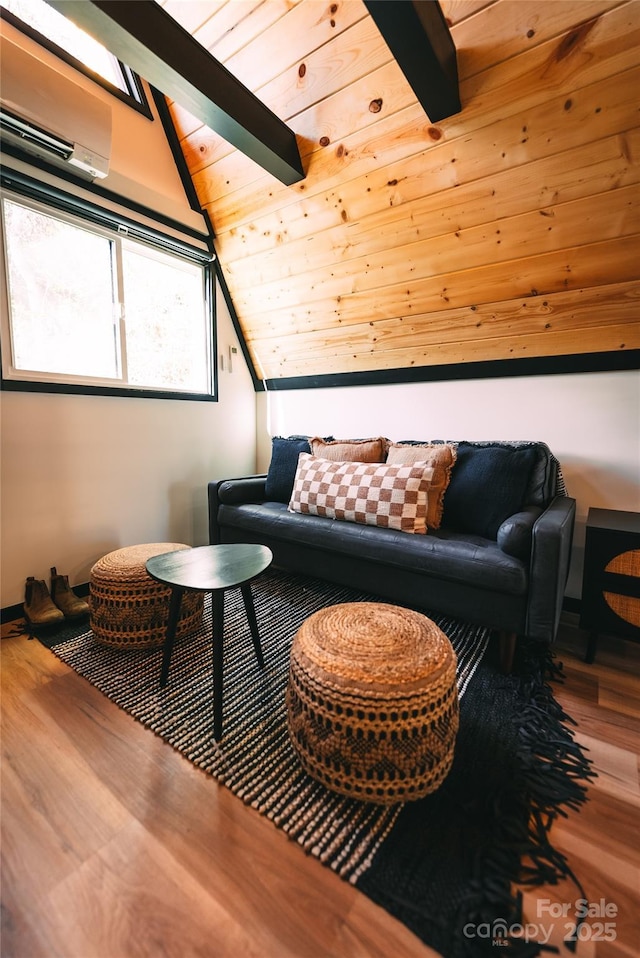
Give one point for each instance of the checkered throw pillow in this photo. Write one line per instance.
(395, 497)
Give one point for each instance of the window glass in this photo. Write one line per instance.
(60, 288)
(56, 28)
(164, 321)
(91, 306)
(67, 40)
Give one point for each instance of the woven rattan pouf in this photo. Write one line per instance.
(372, 701)
(128, 608)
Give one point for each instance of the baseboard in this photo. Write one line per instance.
(569, 604)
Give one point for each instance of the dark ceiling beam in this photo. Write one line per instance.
(154, 45)
(417, 34)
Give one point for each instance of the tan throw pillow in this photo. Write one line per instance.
(350, 450)
(442, 457)
(394, 497)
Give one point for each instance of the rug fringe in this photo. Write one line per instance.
(556, 774)
(556, 769)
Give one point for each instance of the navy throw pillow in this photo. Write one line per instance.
(282, 468)
(488, 484)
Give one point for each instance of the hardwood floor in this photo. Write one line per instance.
(115, 846)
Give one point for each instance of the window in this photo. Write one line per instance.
(94, 304)
(51, 29)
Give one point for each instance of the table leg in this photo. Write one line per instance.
(253, 622)
(172, 623)
(217, 608)
(591, 647)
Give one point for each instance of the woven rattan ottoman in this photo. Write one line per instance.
(372, 701)
(128, 608)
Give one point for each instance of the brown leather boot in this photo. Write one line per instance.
(67, 601)
(38, 607)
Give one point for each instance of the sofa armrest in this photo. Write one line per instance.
(516, 532)
(550, 557)
(232, 492)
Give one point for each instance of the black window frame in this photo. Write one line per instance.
(92, 213)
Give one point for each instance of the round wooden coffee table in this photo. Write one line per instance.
(210, 569)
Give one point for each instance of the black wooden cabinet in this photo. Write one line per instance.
(611, 577)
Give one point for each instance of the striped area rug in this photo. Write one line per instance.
(254, 757)
(445, 865)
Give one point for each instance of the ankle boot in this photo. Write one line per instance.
(38, 607)
(67, 601)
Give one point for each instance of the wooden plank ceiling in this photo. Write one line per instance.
(507, 231)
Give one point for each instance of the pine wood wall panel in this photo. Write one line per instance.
(232, 25)
(547, 61)
(480, 350)
(194, 14)
(560, 312)
(526, 123)
(509, 230)
(308, 30)
(352, 55)
(579, 269)
(296, 78)
(512, 28)
(454, 230)
(457, 10)
(413, 215)
(556, 228)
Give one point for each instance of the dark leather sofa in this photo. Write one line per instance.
(513, 582)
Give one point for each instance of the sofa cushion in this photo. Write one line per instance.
(543, 481)
(282, 468)
(542, 484)
(442, 457)
(350, 450)
(450, 556)
(487, 486)
(393, 497)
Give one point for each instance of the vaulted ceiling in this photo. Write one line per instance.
(506, 231)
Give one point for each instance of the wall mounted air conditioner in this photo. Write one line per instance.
(45, 114)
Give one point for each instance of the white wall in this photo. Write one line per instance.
(590, 421)
(83, 475)
(142, 167)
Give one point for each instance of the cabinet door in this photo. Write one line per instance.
(611, 583)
